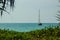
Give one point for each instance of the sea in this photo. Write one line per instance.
(25, 27)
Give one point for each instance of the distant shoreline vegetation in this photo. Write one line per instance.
(48, 33)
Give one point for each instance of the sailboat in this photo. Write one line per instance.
(39, 23)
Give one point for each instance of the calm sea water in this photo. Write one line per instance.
(25, 27)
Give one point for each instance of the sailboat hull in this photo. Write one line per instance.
(40, 24)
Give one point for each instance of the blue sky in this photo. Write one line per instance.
(26, 11)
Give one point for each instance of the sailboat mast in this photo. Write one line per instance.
(39, 16)
(39, 23)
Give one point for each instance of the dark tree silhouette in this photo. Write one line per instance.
(5, 2)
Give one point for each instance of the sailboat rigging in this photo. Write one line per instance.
(39, 23)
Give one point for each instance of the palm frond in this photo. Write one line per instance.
(3, 10)
(12, 3)
(4, 5)
(1, 1)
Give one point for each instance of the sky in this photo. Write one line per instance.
(26, 11)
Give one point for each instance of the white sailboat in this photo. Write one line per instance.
(39, 23)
